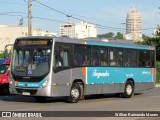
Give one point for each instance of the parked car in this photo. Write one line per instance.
(4, 75)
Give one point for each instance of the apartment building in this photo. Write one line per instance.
(78, 30)
(134, 25)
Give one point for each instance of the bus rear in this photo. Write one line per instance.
(31, 66)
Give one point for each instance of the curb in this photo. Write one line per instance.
(158, 85)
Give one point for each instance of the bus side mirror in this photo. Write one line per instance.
(5, 52)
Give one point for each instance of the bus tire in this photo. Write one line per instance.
(40, 99)
(75, 93)
(128, 90)
(6, 90)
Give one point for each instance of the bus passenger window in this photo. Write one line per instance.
(86, 61)
(95, 56)
(65, 59)
(103, 56)
(62, 59)
(112, 59)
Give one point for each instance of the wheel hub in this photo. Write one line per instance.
(75, 93)
(129, 89)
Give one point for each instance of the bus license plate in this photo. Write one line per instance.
(26, 93)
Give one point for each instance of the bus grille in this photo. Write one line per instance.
(32, 92)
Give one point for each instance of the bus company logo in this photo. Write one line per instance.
(146, 72)
(100, 74)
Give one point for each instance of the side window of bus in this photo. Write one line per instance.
(144, 58)
(77, 58)
(82, 55)
(112, 57)
(95, 56)
(61, 57)
(86, 53)
(62, 60)
(103, 56)
(152, 59)
(119, 57)
(130, 58)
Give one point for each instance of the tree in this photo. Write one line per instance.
(106, 35)
(119, 36)
(144, 37)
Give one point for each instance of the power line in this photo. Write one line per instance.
(25, 1)
(49, 19)
(10, 14)
(15, 13)
(11, 3)
(100, 27)
(51, 8)
(75, 17)
(97, 25)
(70, 15)
(96, 19)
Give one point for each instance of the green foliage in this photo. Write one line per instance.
(106, 35)
(111, 35)
(119, 36)
(144, 37)
(7, 54)
(158, 72)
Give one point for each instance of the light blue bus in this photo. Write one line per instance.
(45, 67)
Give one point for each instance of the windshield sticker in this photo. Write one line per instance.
(29, 72)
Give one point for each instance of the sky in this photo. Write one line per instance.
(108, 13)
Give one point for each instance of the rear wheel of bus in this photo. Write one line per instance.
(75, 93)
(128, 90)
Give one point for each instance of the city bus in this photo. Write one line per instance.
(45, 67)
(4, 75)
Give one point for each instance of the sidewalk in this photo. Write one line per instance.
(157, 85)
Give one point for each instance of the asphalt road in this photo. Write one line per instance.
(145, 101)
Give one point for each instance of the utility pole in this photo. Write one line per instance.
(29, 17)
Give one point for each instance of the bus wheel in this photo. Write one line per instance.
(40, 99)
(75, 94)
(6, 90)
(129, 90)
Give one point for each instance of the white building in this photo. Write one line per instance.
(8, 34)
(128, 37)
(134, 24)
(79, 30)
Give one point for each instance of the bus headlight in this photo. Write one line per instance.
(44, 84)
(11, 82)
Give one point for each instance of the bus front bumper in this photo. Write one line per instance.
(46, 91)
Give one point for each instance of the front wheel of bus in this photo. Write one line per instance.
(75, 94)
(129, 90)
(5, 89)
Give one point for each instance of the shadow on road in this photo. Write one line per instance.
(28, 99)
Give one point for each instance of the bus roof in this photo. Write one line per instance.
(5, 61)
(95, 41)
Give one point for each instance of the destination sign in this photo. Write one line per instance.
(33, 42)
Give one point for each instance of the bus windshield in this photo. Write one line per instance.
(3, 68)
(31, 61)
